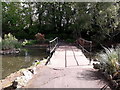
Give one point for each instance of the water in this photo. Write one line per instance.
(12, 63)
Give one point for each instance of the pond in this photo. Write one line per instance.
(12, 63)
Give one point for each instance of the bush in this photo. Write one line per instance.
(10, 42)
(29, 42)
(70, 40)
(32, 42)
(110, 60)
(46, 41)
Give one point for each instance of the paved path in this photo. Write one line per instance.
(68, 68)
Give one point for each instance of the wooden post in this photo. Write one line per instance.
(49, 48)
(90, 51)
(57, 41)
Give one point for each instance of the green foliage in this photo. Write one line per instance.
(110, 60)
(70, 40)
(29, 42)
(98, 21)
(10, 42)
(46, 41)
(36, 63)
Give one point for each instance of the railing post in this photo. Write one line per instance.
(90, 51)
(83, 44)
(49, 47)
(57, 41)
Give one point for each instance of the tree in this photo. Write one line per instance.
(96, 21)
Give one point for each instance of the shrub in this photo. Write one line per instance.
(10, 42)
(46, 41)
(32, 42)
(29, 42)
(70, 40)
(40, 37)
(110, 60)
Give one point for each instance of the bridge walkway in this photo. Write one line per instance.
(68, 56)
(68, 68)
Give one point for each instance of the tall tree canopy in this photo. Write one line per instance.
(95, 21)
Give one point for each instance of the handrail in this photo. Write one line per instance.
(53, 39)
(82, 45)
(85, 40)
(53, 44)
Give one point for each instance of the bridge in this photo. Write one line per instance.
(68, 55)
(67, 67)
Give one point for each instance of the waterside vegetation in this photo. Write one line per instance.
(110, 65)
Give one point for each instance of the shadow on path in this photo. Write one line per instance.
(93, 75)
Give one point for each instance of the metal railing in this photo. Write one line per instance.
(52, 46)
(82, 43)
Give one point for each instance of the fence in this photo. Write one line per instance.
(52, 46)
(83, 44)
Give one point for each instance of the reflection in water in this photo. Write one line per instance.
(27, 57)
(12, 63)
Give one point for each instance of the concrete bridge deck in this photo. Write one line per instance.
(68, 68)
